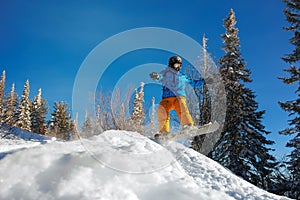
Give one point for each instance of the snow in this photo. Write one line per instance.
(13, 138)
(114, 165)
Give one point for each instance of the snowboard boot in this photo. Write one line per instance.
(159, 137)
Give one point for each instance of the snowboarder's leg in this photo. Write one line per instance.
(183, 112)
(163, 115)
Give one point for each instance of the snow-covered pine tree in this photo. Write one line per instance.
(24, 112)
(153, 116)
(61, 120)
(204, 101)
(292, 13)
(141, 103)
(73, 134)
(135, 118)
(138, 115)
(205, 114)
(87, 129)
(39, 110)
(10, 109)
(242, 147)
(2, 96)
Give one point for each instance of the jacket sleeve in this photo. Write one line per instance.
(195, 83)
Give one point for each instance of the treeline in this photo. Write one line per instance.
(31, 115)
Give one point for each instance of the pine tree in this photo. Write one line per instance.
(24, 112)
(10, 109)
(98, 126)
(204, 102)
(292, 13)
(39, 110)
(88, 126)
(73, 135)
(205, 106)
(2, 96)
(61, 120)
(138, 115)
(153, 116)
(242, 147)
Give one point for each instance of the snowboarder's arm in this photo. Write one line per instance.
(197, 83)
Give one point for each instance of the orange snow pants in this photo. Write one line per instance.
(163, 113)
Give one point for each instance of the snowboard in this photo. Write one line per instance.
(190, 132)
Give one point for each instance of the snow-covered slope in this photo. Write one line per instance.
(116, 165)
(13, 138)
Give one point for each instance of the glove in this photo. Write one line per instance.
(154, 76)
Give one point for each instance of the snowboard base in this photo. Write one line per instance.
(189, 132)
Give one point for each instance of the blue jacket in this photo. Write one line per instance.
(174, 83)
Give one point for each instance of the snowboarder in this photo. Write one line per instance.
(174, 96)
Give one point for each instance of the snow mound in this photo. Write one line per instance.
(118, 165)
(13, 138)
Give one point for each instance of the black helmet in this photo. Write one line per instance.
(174, 59)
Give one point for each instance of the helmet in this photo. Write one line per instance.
(174, 59)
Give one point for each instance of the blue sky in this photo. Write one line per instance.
(47, 41)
